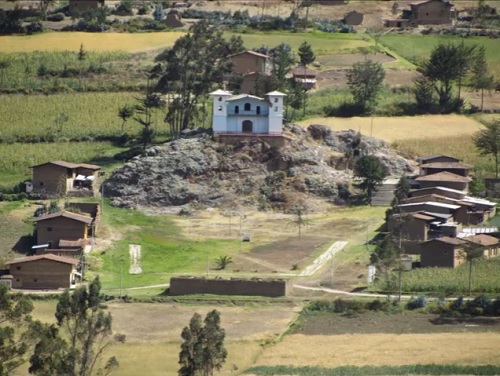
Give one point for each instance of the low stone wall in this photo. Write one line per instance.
(257, 286)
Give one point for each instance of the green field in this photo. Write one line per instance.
(417, 48)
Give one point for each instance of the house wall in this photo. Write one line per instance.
(248, 84)
(246, 63)
(457, 196)
(432, 13)
(78, 6)
(438, 254)
(41, 274)
(447, 184)
(74, 253)
(55, 229)
(260, 123)
(186, 286)
(413, 229)
(52, 179)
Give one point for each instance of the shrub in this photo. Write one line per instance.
(419, 302)
(346, 109)
(57, 17)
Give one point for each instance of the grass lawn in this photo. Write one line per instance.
(12, 229)
(416, 48)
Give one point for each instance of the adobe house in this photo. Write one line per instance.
(60, 177)
(481, 210)
(79, 6)
(353, 18)
(87, 208)
(488, 242)
(457, 168)
(53, 229)
(246, 114)
(444, 179)
(432, 12)
(44, 272)
(436, 158)
(305, 76)
(250, 65)
(444, 252)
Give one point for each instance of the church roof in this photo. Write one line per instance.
(276, 94)
(220, 92)
(243, 96)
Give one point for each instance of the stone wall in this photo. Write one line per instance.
(257, 286)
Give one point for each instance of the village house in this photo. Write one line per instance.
(397, 22)
(444, 252)
(456, 168)
(444, 179)
(58, 229)
(305, 76)
(250, 65)
(432, 12)
(441, 191)
(61, 178)
(246, 114)
(488, 242)
(44, 272)
(79, 6)
(353, 18)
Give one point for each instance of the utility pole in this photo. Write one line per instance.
(121, 281)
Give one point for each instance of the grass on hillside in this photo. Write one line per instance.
(417, 48)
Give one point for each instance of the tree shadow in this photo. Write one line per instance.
(24, 244)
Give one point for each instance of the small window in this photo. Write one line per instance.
(258, 110)
(41, 184)
(220, 108)
(275, 108)
(18, 268)
(49, 229)
(35, 280)
(248, 107)
(275, 100)
(18, 280)
(445, 252)
(220, 99)
(236, 109)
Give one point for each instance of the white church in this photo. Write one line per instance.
(246, 114)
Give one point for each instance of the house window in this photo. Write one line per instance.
(41, 184)
(275, 100)
(18, 268)
(258, 110)
(18, 280)
(220, 108)
(248, 107)
(220, 99)
(35, 280)
(49, 229)
(236, 109)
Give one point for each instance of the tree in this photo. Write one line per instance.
(424, 93)
(202, 349)
(189, 71)
(487, 141)
(481, 78)
(125, 113)
(15, 320)
(472, 251)
(299, 210)
(283, 59)
(401, 192)
(86, 335)
(365, 81)
(385, 257)
(306, 54)
(223, 261)
(372, 171)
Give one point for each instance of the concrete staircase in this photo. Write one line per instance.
(385, 193)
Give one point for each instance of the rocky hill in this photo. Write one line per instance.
(312, 163)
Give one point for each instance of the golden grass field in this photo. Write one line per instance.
(384, 349)
(58, 41)
(394, 129)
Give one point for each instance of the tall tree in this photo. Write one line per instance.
(86, 335)
(282, 61)
(15, 320)
(385, 257)
(125, 113)
(481, 78)
(472, 251)
(202, 349)
(306, 54)
(372, 172)
(365, 81)
(487, 141)
(190, 70)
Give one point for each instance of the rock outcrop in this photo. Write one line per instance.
(312, 162)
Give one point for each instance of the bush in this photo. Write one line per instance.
(57, 17)
(346, 109)
(34, 27)
(419, 302)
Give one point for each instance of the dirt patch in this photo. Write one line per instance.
(373, 322)
(142, 322)
(393, 78)
(347, 60)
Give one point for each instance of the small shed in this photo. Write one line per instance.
(353, 18)
(44, 272)
(444, 252)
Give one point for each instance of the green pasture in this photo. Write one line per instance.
(15, 159)
(485, 279)
(417, 48)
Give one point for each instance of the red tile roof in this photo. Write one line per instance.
(64, 260)
(66, 214)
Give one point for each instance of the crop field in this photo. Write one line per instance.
(485, 279)
(416, 48)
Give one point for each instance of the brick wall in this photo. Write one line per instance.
(260, 287)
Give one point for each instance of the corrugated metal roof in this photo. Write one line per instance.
(450, 165)
(249, 52)
(447, 240)
(432, 203)
(243, 96)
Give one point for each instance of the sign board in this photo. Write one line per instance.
(372, 271)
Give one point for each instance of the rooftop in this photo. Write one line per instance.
(65, 214)
(447, 240)
(443, 176)
(482, 239)
(432, 203)
(249, 52)
(450, 165)
(69, 165)
(434, 156)
(48, 256)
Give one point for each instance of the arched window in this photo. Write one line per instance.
(236, 109)
(220, 99)
(248, 107)
(258, 110)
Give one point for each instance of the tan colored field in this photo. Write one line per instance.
(91, 41)
(394, 129)
(384, 349)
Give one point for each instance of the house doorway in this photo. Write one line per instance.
(247, 126)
